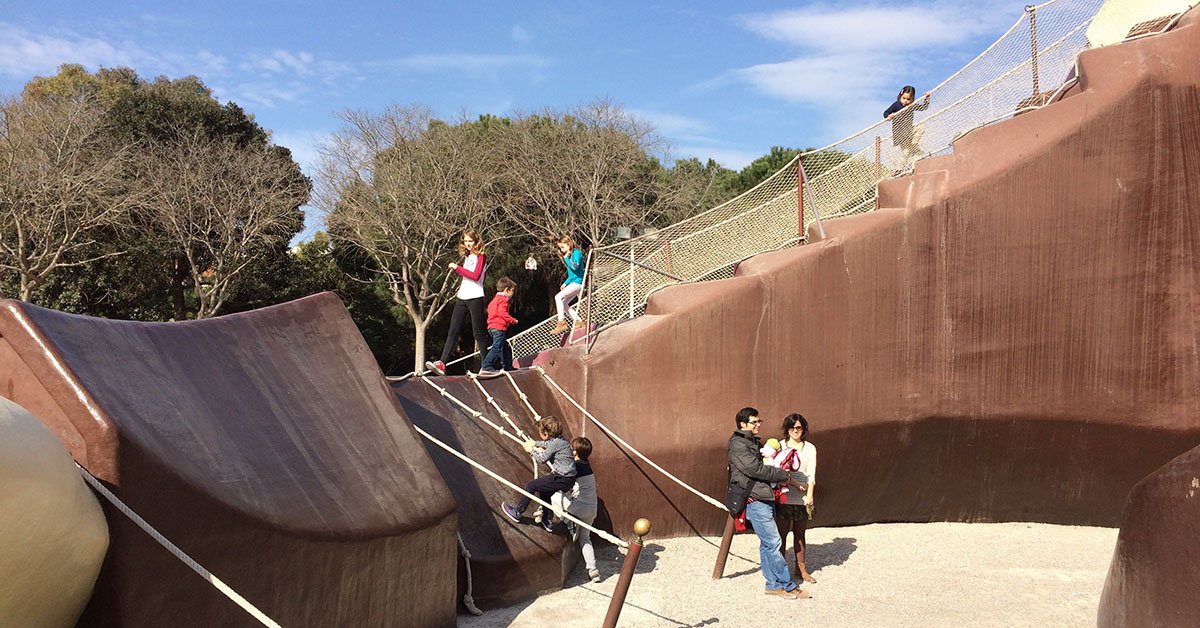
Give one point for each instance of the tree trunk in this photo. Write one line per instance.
(178, 308)
(419, 345)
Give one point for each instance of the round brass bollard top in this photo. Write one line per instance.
(641, 527)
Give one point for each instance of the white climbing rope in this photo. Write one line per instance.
(178, 553)
(524, 398)
(471, 411)
(468, 601)
(492, 400)
(627, 445)
(606, 536)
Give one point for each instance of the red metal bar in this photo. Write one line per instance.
(668, 253)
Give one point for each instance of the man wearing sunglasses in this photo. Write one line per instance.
(748, 476)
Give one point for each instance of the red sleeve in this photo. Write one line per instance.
(480, 262)
(502, 312)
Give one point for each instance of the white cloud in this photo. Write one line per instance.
(849, 61)
(520, 35)
(731, 158)
(280, 61)
(24, 54)
(259, 94)
(469, 62)
(673, 125)
(873, 28)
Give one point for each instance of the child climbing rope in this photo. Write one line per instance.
(557, 451)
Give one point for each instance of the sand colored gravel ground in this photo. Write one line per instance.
(928, 575)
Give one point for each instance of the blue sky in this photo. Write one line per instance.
(718, 79)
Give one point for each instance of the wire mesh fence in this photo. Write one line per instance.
(1021, 70)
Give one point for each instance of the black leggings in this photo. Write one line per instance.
(478, 327)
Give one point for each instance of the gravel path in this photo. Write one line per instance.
(899, 574)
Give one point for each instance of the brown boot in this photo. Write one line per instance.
(560, 327)
(804, 574)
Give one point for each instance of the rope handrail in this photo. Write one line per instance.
(175, 551)
(548, 507)
(626, 445)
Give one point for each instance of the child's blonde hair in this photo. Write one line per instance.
(474, 235)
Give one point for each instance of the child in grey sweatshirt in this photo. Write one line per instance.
(557, 451)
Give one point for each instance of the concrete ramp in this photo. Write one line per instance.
(267, 445)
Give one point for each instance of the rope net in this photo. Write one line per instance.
(1022, 70)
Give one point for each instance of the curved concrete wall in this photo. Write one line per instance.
(1152, 579)
(267, 445)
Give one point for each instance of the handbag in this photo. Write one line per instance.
(736, 496)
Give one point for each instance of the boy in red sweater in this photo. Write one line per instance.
(498, 320)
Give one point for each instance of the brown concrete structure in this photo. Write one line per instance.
(1152, 580)
(267, 445)
(1012, 336)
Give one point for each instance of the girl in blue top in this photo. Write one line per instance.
(573, 258)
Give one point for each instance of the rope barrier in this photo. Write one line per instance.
(604, 535)
(626, 445)
(178, 553)
(468, 601)
(471, 411)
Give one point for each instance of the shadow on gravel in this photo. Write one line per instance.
(648, 560)
(835, 552)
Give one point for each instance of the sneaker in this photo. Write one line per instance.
(511, 511)
(438, 367)
(560, 327)
(572, 529)
(548, 522)
(488, 373)
(594, 574)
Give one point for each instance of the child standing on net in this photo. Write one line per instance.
(554, 449)
(498, 320)
(581, 503)
(901, 115)
(573, 258)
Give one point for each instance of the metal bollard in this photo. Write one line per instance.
(723, 553)
(641, 527)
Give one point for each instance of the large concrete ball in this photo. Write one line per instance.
(53, 535)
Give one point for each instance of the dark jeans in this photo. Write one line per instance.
(499, 351)
(545, 487)
(474, 307)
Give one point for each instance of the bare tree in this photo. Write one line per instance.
(219, 204)
(400, 186)
(60, 181)
(581, 171)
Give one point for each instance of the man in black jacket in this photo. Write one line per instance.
(746, 467)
